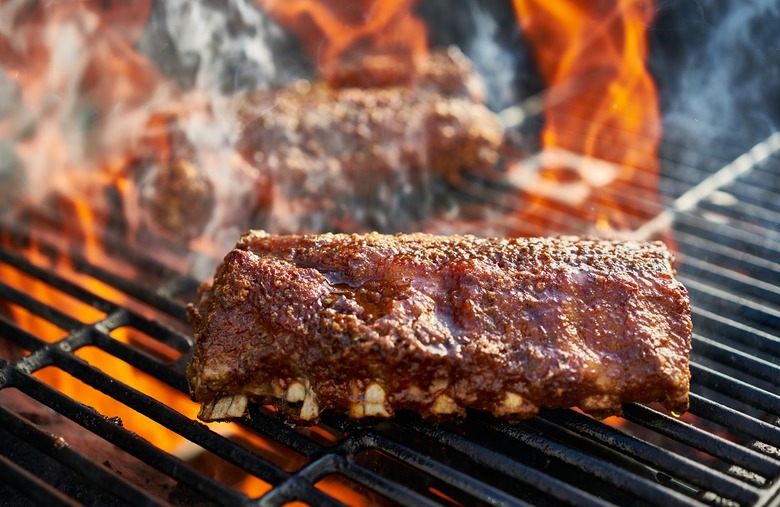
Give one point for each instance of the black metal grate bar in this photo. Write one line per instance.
(56, 448)
(35, 306)
(36, 490)
(449, 475)
(742, 391)
(159, 299)
(660, 459)
(488, 458)
(340, 463)
(339, 459)
(169, 418)
(614, 476)
(735, 420)
(706, 442)
(115, 434)
(21, 337)
(729, 261)
(748, 337)
(735, 358)
(465, 454)
(51, 279)
(725, 302)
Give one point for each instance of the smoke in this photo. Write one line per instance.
(718, 68)
(221, 46)
(488, 34)
(98, 107)
(64, 95)
(494, 61)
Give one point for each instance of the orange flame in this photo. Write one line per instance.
(601, 101)
(92, 250)
(357, 43)
(105, 31)
(82, 223)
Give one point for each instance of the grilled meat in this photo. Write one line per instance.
(181, 182)
(376, 323)
(355, 159)
(309, 158)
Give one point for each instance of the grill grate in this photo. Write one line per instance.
(727, 452)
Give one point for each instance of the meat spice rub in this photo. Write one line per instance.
(376, 323)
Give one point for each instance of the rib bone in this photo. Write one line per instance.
(223, 408)
(295, 393)
(374, 401)
(443, 404)
(310, 409)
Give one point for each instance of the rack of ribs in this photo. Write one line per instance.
(371, 324)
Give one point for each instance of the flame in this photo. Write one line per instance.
(82, 224)
(101, 36)
(601, 105)
(81, 88)
(357, 43)
(601, 102)
(93, 252)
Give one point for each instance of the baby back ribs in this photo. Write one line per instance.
(364, 159)
(375, 323)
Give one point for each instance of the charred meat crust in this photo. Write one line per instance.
(373, 323)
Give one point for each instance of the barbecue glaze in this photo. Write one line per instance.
(373, 323)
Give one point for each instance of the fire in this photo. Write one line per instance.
(357, 43)
(83, 224)
(80, 89)
(101, 35)
(92, 250)
(601, 102)
(602, 132)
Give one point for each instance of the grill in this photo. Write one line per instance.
(722, 205)
(726, 451)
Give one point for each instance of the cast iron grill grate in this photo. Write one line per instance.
(727, 452)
